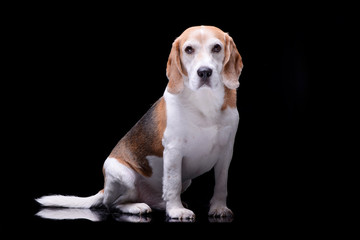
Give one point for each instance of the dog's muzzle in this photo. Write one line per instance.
(204, 73)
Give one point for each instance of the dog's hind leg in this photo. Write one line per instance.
(119, 191)
(134, 208)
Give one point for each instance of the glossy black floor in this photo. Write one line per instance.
(263, 200)
(196, 199)
(256, 215)
(78, 100)
(100, 215)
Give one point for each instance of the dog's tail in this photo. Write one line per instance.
(72, 201)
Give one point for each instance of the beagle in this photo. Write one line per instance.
(187, 132)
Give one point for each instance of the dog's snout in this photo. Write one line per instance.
(204, 72)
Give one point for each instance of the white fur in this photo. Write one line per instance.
(119, 183)
(202, 57)
(198, 136)
(131, 192)
(205, 140)
(71, 201)
(71, 213)
(206, 136)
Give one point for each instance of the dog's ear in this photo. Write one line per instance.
(232, 64)
(174, 69)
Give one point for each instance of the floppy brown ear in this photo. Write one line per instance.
(232, 64)
(174, 70)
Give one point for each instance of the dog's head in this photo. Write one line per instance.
(203, 56)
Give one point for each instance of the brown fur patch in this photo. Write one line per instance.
(233, 64)
(174, 69)
(160, 120)
(144, 139)
(229, 98)
(194, 32)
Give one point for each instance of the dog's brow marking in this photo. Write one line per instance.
(202, 30)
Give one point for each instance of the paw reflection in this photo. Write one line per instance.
(131, 218)
(226, 219)
(189, 220)
(97, 215)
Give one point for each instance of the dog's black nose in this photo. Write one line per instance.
(204, 73)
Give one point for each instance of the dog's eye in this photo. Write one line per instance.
(216, 48)
(189, 50)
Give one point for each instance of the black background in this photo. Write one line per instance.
(88, 73)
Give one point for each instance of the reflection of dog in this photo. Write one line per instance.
(188, 131)
(72, 214)
(94, 215)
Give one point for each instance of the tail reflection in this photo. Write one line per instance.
(72, 214)
(94, 215)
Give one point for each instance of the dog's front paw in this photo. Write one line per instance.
(220, 211)
(180, 213)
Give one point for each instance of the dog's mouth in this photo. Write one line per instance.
(204, 83)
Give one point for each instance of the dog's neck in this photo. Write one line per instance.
(205, 100)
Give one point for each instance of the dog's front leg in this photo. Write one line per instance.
(218, 206)
(172, 185)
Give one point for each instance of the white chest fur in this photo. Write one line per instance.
(198, 129)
